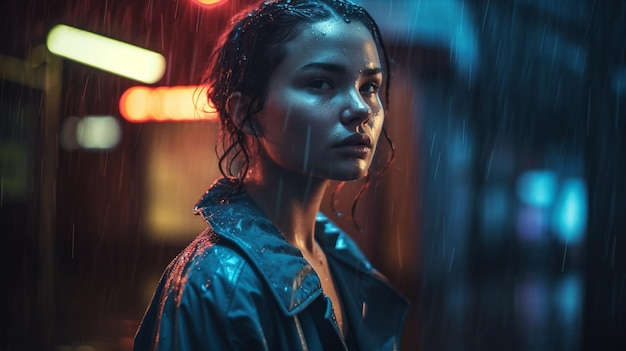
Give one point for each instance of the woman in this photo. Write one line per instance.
(297, 86)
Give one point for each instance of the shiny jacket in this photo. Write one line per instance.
(241, 286)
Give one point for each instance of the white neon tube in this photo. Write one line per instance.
(107, 54)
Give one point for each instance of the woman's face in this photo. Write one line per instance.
(323, 114)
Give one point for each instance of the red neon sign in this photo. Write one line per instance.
(165, 104)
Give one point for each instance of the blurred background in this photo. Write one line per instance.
(501, 219)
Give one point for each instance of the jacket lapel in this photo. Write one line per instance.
(240, 221)
(375, 310)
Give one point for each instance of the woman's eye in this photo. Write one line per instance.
(320, 84)
(370, 88)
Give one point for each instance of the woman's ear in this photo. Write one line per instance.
(238, 106)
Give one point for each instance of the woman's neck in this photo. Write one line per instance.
(290, 200)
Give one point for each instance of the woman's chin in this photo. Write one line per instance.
(347, 174)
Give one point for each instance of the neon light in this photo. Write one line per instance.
(98, 132)
(107, 54)
(570, 211)
(537, 188)
(162, 104)
(208, 2)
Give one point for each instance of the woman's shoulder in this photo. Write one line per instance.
(206, 287)
(212, 267)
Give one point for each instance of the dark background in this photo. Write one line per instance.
(484, 92)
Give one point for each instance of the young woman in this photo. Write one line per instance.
(297, 85)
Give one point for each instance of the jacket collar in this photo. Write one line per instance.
(292, 281)
(237, 219)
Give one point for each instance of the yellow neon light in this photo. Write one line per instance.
(209, 2)
(107, 54)
(179, 103)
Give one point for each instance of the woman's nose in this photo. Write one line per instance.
(356, 109)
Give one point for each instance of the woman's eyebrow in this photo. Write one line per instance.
(330, 67)
(337, 68)
(371, 71)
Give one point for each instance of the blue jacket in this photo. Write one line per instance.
(241, 286)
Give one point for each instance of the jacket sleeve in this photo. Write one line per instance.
(218, 307)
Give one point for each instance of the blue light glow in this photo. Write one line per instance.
(537, 188)
(570, 213)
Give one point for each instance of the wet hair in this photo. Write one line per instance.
(246, 56)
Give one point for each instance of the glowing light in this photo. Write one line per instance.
(570, 212)
(209, 2)
(568, 299)
(532, 223)
(537, 188)
(161, 104)
(107, 54)
(98, 132)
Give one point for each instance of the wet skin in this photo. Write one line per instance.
(324, 91)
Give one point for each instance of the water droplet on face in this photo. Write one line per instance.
(339, 214)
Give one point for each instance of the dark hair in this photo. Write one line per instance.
(246, 56)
